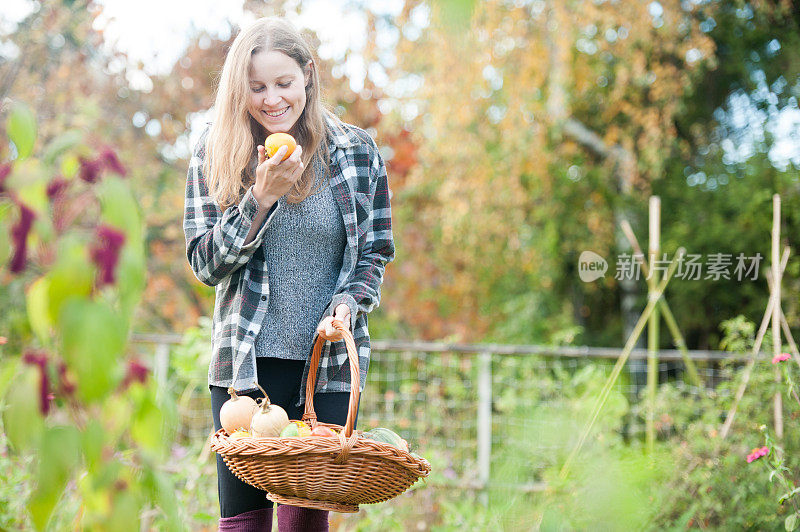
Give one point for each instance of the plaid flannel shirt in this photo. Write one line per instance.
(218, 257)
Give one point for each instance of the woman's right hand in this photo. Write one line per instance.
(275, 177)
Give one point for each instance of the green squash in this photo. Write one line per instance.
(384, 436)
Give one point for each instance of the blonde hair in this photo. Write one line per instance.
(234, 134)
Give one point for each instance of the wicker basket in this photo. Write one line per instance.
(326, 473)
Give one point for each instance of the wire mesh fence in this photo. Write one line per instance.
(477, 412)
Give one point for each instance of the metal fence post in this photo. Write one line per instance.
(161, 366)
(484, 423)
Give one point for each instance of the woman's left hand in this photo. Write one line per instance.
(326, 329)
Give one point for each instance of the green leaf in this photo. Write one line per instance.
(93, 336)
(21, 128)
(790, 523)
(116, 413)
(71, 277)
(94, 488)
(37, 298)
(59, 456)
(22, 418)
(31, 189)
(162, 494)
(147, 426)
(5, 243)
(125, 510)
(92, 439)
(131, 278)
(69, 166)
(65, 141)
(8, 369)
(120, 209)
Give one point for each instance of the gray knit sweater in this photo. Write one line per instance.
(303, 246)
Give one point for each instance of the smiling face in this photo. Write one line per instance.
(277, 91)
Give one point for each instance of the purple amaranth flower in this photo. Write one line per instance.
(19, 234)
(757, 453)
(110, 161)
(40, 360)
(105, 254)
(5, 171)
(780, 358)
(56, 188)
(90, 170)
(136, 372)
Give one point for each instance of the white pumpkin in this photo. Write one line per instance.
(269, 420)
(237, 412)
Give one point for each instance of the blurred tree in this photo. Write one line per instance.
(554, 119)
(729, 165)
(518, 176)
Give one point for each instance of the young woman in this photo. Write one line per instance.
(289, 245)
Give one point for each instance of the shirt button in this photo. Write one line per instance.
(263, 298)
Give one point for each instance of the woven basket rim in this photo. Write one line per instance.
(251, 446)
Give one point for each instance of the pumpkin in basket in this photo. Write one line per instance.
(237, 412)
(268, 420)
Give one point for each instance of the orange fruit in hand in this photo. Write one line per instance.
(276, 140)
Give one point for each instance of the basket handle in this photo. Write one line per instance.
(355, 377)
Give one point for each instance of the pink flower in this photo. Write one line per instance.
(90, 170)
(111, 162)
(56, 188)
(105, 254)
(19, 234)
(780, 358)
(757, 453)
(3, 340)
(136, 372)
(40, 360)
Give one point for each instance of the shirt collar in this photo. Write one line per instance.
(339, 135)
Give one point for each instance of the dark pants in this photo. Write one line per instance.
(281, 380)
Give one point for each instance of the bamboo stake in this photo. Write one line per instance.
(654, 245)
(787, 332)
(672, 325)
(680, 343)
(762, 330)
(626, 351)
(776, 309)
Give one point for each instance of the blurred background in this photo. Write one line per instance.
(517, 135)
